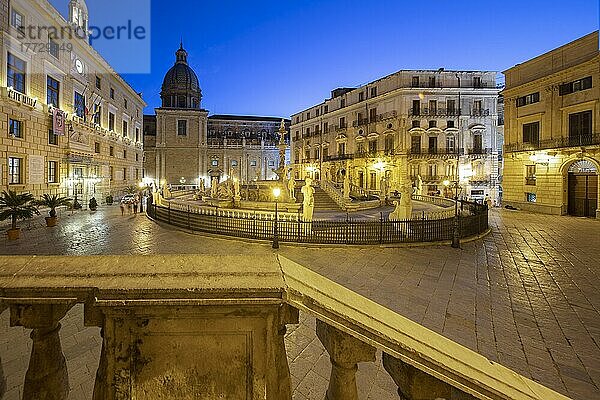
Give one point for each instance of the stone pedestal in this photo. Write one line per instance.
(414, 384)
(169, 349)
(345, 352)
(46, 377)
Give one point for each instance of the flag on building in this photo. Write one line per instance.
(58, 121)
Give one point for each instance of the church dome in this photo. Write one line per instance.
(180, 88)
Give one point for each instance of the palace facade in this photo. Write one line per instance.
(419, 126)
(552, 105)
(100, 149)
(186, 147)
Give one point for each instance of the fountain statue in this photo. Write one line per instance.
(308, 205)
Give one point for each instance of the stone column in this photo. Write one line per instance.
(47, 376)
(414, 384)
(345, 352)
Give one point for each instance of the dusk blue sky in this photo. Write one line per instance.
(274, 58)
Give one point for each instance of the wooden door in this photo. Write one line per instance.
(583, 194)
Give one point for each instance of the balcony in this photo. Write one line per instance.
(433, 153)
(478, 151)
(360, 122)
(434, 112)
(558, 143)
(337, 157)
(214, 327)
(475, 112)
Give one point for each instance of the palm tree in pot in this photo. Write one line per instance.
(53, 202)
(16, 206)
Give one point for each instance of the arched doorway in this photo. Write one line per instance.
(583, 189)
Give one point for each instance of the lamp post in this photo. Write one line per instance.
(276, 194)
(455, 185)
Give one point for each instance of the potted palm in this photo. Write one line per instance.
(93, 205)
(16, 206)
(53, 202)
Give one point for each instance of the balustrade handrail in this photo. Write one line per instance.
(335, 194)
(127, 295)
(562, 142)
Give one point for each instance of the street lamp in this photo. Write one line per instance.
(456, 232)
(276, 194)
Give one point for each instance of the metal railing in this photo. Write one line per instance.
(433, 112)
(473, 221)
(562, 142)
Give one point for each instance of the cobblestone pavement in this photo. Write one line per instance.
(525, 296)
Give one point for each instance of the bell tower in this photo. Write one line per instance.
(79, 17)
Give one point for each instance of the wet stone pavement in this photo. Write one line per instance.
(525, 296)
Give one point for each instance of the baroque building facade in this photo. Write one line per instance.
(185, 147)
(100, 152)
(419, 126)
(552, 131)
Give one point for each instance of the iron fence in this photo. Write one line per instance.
(473, 220)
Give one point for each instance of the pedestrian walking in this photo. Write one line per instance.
(135, 206)
(122, 209)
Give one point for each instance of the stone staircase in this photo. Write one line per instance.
(322, 200)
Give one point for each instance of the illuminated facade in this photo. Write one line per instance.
(552, 131)
(101, 150)
(184, 146)
(411, 126)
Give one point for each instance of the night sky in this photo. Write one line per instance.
(274, 58)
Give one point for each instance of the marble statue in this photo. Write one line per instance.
(291, 185)
(403, 208)
(419, 186)
(308, 205)
(213, 187)
(346, 187)
(236, 187)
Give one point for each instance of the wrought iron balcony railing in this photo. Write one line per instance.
(558, 143)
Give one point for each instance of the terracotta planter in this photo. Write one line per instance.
(14, 234)
(51, 221)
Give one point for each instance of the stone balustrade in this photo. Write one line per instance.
(213, 327)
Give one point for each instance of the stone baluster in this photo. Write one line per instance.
(46, 376)
(287, 315)
(414, 384)
(345, 352)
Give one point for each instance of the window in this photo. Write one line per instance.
(15, 128)
(17, 20)
(97, 114)
(416, 124)
(326, 109)
(137, 174)
(360, 148)
(450, 124)
(415, 81)
(111, 122)
(477, 82)
(317, 130)
(307, 132)
(531, 133)
(580, 128)
(52, 172)
(308, 115)
(342, 122)
(415, 145)
(53, 48)
(450, 144)
(531, 197)
(317, 154)
(271, 163)
(52, 138)
(234, 163)
(373, 115)
(137, 157)
(111, 173)
(98, 83)
(373, 181)
(307, 155)
(477, 107)
(530, 178)
(432, 81)
(451, 107)
(112, 93)
(343, 103)
(432, 124)
(374, 92)
(125, 154)
(79, 105)
(432, 107)
(477, 144)
(124, 174)
(575, 86)
(389, 143)
(361, 96)
(432, 145)
(416, 107)
(16, 73)
(97, 148)
(372, 146)
(53, 91)
(14, 170)
(182, 127)
(253, 163)
(214, 163)
(529, 99)
(137, 134)
(125, 128)
(325, 127)
(111, 151)
(125, 103)
(341, 149)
